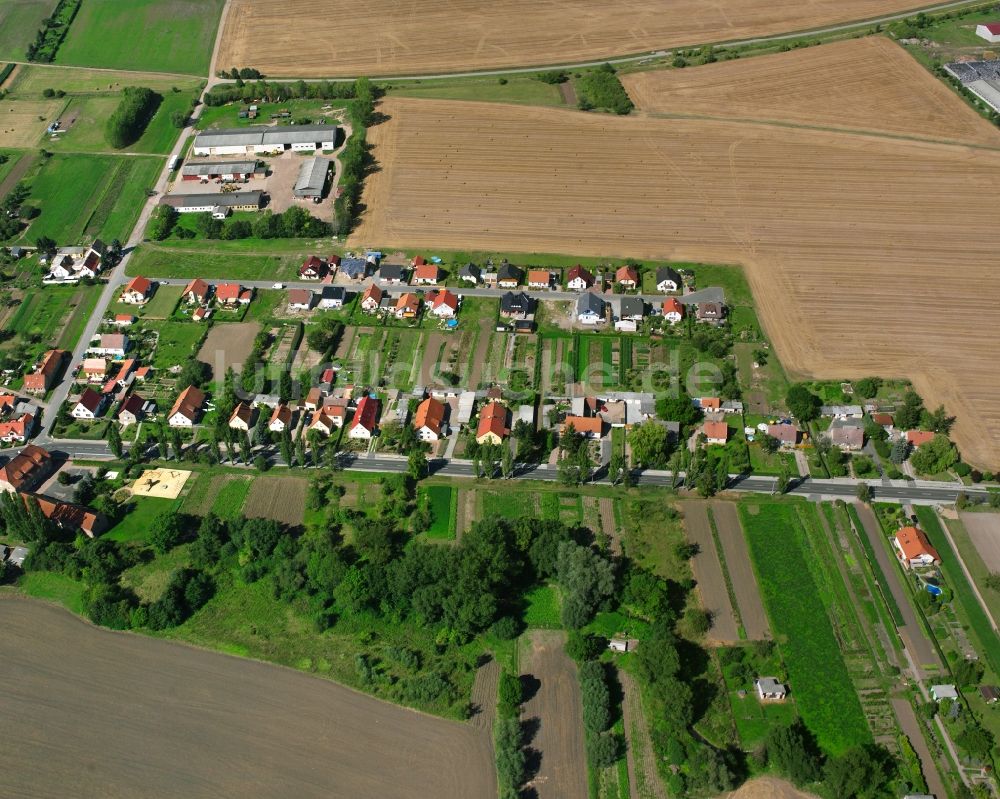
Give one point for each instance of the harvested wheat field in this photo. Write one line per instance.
(846, 238)
(768, 788)
(282, 499)
(93, 713)
(869, 84)
(385, 37)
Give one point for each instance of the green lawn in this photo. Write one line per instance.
(119, 34)
(970, 612)
(177, 342)
(522, 90)
(83, 197)
(818, 677)
(19, 20)
(156, 261)
(135, 525)
(164, 300)
(439, 499)
(56, 314)
(542, 608)
(229, 501)
(54, 587)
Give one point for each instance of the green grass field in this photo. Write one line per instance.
(135, 526)
(229, 501)
(83, 197)
(818, 677)
(55, 313)
(154, 261)
(54, 587)
(543, 608)
(515, 89)
(177, 341)
(116, 34)
(439, 499)
(162, 305)
(19, 19)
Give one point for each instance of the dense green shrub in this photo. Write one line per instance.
(602, 89)
(129, 120)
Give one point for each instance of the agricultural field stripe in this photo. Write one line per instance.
(819, 679)
(720, 554)
(873, 563)
(737, 559)
(987, 640)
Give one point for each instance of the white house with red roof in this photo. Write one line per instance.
(443, 304)
(673, 310)
(913, 548)
(990, 31)
(365, 416)
(137, 291)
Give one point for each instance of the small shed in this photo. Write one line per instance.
(939, 692)
(620, 643)
(989, 693)
(770, 688)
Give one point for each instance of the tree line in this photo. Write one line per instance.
(128, 121)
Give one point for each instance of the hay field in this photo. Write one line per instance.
(865, 254)
(869, 84)
(427, 37)
(23, 122)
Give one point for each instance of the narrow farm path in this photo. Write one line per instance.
(643, 779)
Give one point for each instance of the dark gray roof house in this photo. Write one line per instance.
(668, 279)
(471, 273)
(516, 304)
(390, 272)
(590, 304)
(354, 267)
(631, 308)
(508, 272)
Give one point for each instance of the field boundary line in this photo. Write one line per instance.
(741, 631)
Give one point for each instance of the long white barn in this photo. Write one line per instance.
(265, 140)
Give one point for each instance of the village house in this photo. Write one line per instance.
(589, 309)
(913, 548)
(68, 516)
(322, 422)
(336, 409)
(673, 310)
(94, 370)
(842, 411)
(393, 274)
(299, 300)
(123, 320)
(628, 312)
(281, 419)
(354, 268)
(137, 291)
(331, 298)
(579, 279)
(885, 421)
(314, 268)
(201, 313)
(429, 420)
(407, 306)
(371, 300)
(18, 430)
(90, 405)
(769, 688)
(443, 304)
(425, 274)
(788, 435)
(627, 276)
(668, 279)
(586, 426)
(493, 424)
(847, 434)
(76, 263)
(113, 345)
(41, 380)
(716, 432)
(233, 294)
(314, 398)
(539, 279)
(917, 438)
(197, 291)
(516, 305)
(187, 408)
(26, 470)
(242, 417)
(133, 410)
(710, 312)
(7, 403)
(509, 276)
(946, 691)
(470, 273)
(363, 425)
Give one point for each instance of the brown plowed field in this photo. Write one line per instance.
(557, 709)
(385, 37)
(228, 345)
(282, 499)
(708, 573)
(869, 84)
(734, 549)
(846, 238)
(92, 713)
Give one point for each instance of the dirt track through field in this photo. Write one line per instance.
(708, 573)
(984, 530)
(562, 770)
(484, 696)
(481, 355)
(345, 343)
(644, 781)
(607, 510)
(91, 713)
(383, 37)
(848, 85)
(793, 205)
(919, 647)
(911, 725)
(734, 550)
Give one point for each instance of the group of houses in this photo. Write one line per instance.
(24, 475)
(73, 264)
(201, 295)
(440, 303)
(109, 382)
(18, 419)
(323, 411)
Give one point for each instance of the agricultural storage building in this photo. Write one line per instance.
(208, 203)
(990, 31)
(264, 139)
(222, 170)
(312, 178)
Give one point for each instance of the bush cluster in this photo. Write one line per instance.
(129, 120)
